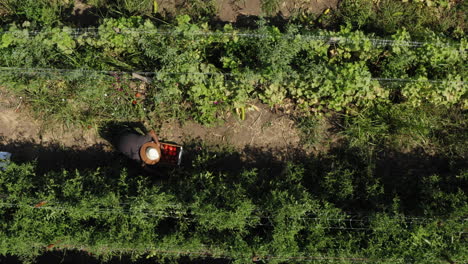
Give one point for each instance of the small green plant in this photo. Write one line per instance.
(198, 10)
(316, 132)
(136, 7)
(356, 12)
(43, 12)
(126, 7)
(270, 7)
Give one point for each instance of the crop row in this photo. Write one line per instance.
(206, 73)
(207, 211)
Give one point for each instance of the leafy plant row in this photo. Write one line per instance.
(278, 214)
(384, 17)
(282, 69)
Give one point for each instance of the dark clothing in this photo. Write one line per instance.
(129, 144)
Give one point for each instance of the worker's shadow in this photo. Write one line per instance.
(111, 131)
(55, 157)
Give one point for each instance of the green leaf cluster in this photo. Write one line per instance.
(277, 213)
(210, 72)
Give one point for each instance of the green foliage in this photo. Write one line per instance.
(270, 7)
(405, 128)
(43, 12)
(199, 10)
(209, 74)
(396, 133)
(112, 42)
(81, 100)
(389, 16)
(356, 12)
(393, 15)
(136, 7)
(270, 212)
(339, 183)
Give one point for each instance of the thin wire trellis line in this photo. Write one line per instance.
(355, 216)
(192, 217)
(70, 72)
(76, 32)
(264, 214)
(209, 252)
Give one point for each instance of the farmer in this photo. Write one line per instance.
(143, 149)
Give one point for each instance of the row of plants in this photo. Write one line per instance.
(385, 129)
(193, 69)
(89, 12)
(388, 16)
(384, 17)
(337, 208)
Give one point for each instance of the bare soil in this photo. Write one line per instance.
(229, 10)
(18, 124)
(232, 10)
(262, 129)
(289, 7)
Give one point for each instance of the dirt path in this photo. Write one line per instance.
(232, 10)
(18, 125)
(261, 129)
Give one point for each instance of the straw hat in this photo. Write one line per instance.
(150, 153)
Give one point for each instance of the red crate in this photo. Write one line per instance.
(171, 154)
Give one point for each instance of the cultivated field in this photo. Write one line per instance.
(314, 131)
